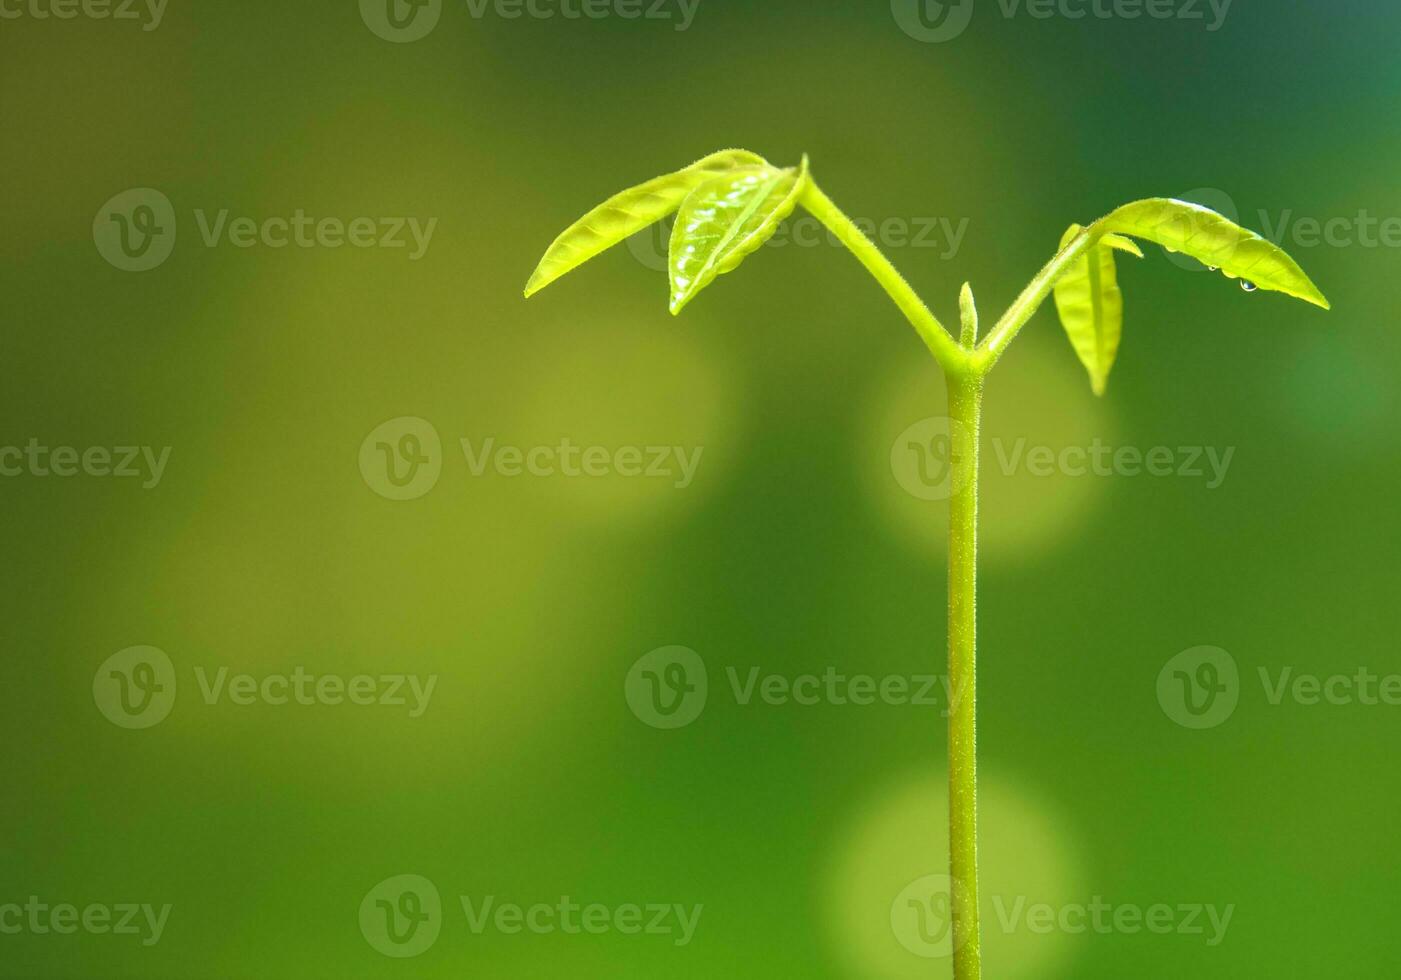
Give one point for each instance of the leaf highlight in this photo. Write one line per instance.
(725, 219)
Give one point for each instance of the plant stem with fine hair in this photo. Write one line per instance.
(965, 413)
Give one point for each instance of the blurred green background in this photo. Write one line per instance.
(263, 548)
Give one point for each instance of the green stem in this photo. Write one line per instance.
(964, 367)
(930, 330)
(965, 411)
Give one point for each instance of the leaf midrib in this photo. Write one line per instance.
(735, 227)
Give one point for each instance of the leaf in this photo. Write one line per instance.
(630, 211)
(1090, 305)
(725, 219)
(1214, 241)
(1120, 242)
(968, 315)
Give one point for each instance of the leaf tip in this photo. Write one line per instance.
(1123, 244)
(968, 315)
(537, 281)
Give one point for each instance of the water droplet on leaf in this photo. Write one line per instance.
(1248, 286)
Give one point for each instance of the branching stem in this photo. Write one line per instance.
(945, 350)
(966, 364)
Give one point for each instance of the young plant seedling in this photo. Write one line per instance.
(731, 202)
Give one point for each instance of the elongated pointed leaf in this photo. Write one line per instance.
(1115, 241)
(1214, 241)
(1091, 307)
(725, 219)
(630, 211)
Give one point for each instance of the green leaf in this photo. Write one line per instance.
(1120, 242)
(630, 211)
(1213, 241)
(1090, 305)
(968, 316)
(725, 219)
